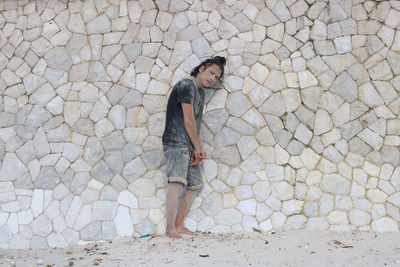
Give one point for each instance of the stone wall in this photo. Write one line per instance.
(303, 133)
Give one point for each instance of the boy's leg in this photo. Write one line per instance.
(170, 208)
(176, 170)
(184, 207)
(195, 183)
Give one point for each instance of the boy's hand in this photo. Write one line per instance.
(202, 154)
(197, 156)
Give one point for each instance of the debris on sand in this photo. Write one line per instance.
(340, 244)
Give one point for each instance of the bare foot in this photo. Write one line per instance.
(173, 234)
(185, 231)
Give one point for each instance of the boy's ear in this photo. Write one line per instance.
(202, 68)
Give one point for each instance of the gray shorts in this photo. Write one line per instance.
(179, 170)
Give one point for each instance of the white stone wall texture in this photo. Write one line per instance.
(303, 133)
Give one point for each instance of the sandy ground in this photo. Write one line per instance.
(289, 248)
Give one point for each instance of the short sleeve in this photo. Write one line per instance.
(185, 91)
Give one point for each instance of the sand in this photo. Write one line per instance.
(283, 248)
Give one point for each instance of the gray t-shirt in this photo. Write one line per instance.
(184, 91)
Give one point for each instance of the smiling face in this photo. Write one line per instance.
(208, 76)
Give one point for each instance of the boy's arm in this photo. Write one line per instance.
(191, 129)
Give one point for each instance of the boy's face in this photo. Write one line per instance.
(209, 75)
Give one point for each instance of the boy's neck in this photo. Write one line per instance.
(196, 82)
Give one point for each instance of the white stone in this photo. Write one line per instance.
(317, 224)
(323, 122)
(210, 169)
(104, 127)
(53, 210)
(291, 99)
(247, 207)
(295, 222)
(263, 212)
(243, 192)
(354, 160)
(313, 193)
(371, 138)
(205, 224)
(25, 217)
(307, 79)
(310, 158)
(117, 116)
(143, 188)
(73, 211)
(219, 186)
(274, 172)
(233, 83)
(84, 217)
(281, 156)
(142, 81)
(246, 145)
(228, 217)
(357, 191)
(259, 72)
(381, 71)
(201, 48)
(331, 137)
(386, 171)
(226, 30)
(104, 210)
(326, 166)
(343, 44)
(344, 80)
(333, 183)
(72, 152)
(338, 217)
(80, 166)
(218, 100)
(229, 200)
(123, 222)
(9, 77)
(41, 226)
(59, 193)
(43, 95)
(55, 106)
(292, 207)
(133, 169)
(385, 224)
(100, 24)
(313, 178)
(164, 20)
(56, 240)
(303, 134)
(278, 219)
(376, 196)
(282, 190)
(368, 95)
(228, 155)
(253, 163)
(276, 32)
(394, 199)
(275, 81)
(262, 190)
(12, 168)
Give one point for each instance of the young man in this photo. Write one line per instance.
(183, 148)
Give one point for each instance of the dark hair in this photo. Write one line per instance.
(217, 60)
